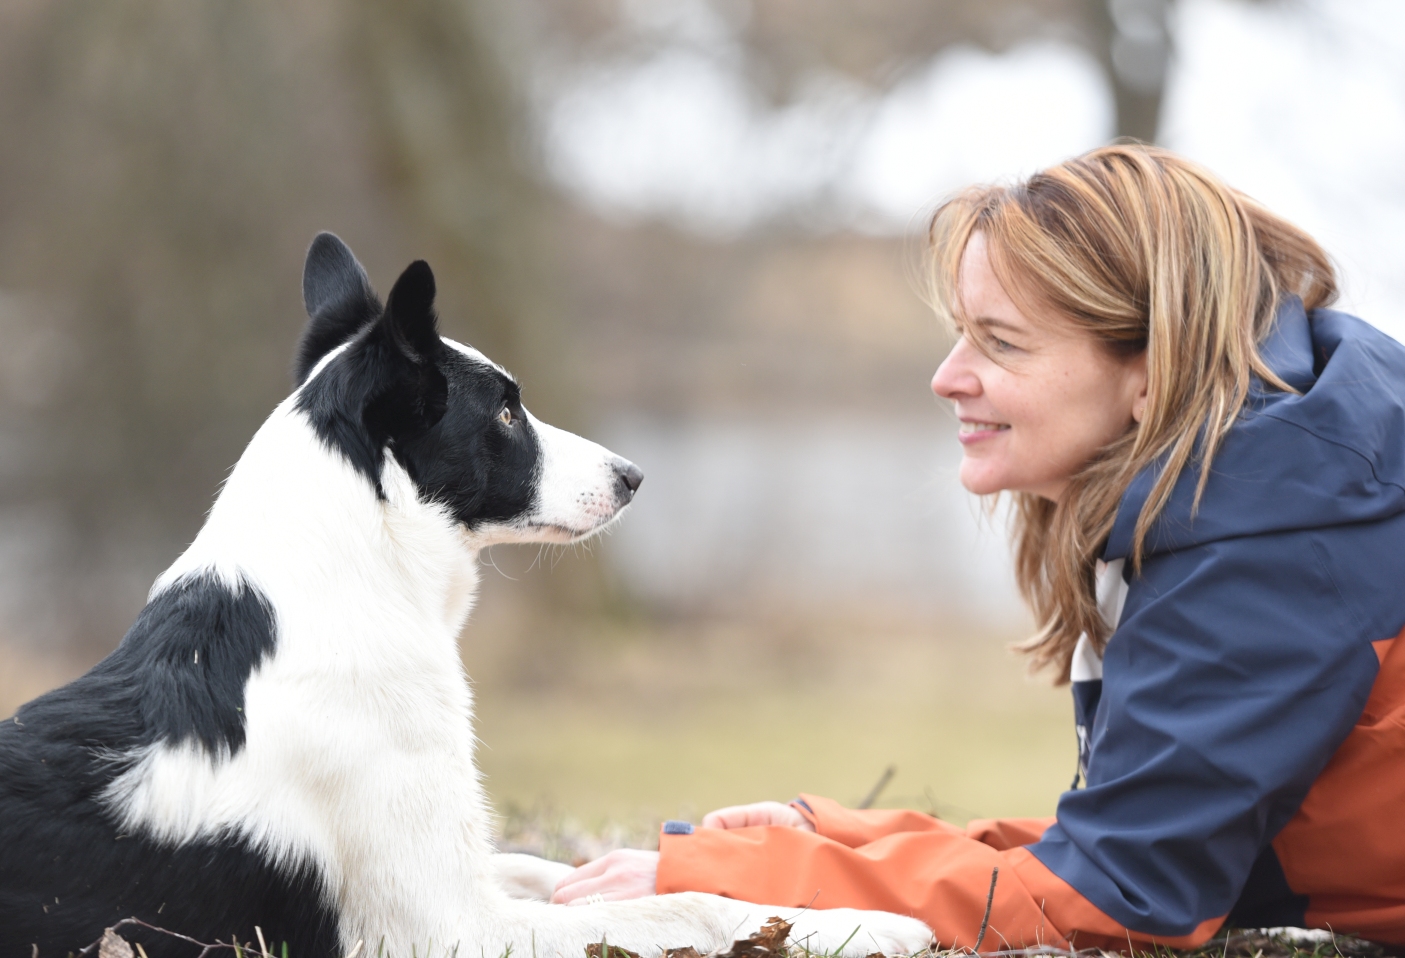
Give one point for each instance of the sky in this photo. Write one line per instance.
(1299, 104)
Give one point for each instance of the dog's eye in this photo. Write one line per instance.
(505, 416)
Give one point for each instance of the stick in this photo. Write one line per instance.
(126, 922)
(878, 786)
(989, 900)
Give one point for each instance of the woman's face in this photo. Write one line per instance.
(1049, 399)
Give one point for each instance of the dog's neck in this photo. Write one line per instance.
(369, 596)
(297, 521)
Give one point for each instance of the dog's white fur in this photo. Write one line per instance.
(359, 756)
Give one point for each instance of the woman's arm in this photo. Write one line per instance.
(1238, 669)
(631, 873)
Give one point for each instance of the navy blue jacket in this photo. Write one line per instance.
(1243, 656)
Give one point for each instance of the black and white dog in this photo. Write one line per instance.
(284, 738)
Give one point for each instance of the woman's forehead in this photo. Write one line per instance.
(984, 300)
(993, 301)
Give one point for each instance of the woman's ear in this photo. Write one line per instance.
(1138, 386)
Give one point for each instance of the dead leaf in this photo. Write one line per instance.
(114, 945)
(689, 952)
(601, 949)
(766, 943)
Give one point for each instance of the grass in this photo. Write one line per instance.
(594, 729)
(542, 832)
(608, 722)
(770, 941)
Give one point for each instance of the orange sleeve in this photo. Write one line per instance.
(1006, 833)
(936, 872)
(854, 826)
(939, 876)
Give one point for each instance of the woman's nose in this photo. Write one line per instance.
(955, 378)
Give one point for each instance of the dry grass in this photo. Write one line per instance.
(595, 729)
(545, 832)
(771, 941)
(615, 719)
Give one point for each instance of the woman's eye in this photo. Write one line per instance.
(505, 416)
(1000, 344)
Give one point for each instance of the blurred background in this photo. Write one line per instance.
(693, 229)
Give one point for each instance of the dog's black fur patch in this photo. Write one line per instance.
(177, 676)
(397, 386)
(66, 872)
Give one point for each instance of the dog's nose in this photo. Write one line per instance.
(630, 477)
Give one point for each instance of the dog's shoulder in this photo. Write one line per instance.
(178, 675)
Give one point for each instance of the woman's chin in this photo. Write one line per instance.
(980, 481)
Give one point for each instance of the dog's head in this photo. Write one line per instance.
(378, 381)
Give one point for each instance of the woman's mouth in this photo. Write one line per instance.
(972, 431)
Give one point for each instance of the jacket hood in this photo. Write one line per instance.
(1334, 454)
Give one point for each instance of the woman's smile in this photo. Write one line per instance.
(973, 430)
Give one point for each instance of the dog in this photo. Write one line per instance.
(282, 745)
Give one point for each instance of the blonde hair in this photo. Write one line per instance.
(1142, 250)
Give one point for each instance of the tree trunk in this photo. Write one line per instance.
(1131, 40)
(441, 117)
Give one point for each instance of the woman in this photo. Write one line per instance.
(1208, 472)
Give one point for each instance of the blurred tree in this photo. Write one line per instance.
(790, 39)
(1131, 39)
(445, 127)
(163, 167)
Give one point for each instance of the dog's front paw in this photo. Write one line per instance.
(527, 876)
(851, 933)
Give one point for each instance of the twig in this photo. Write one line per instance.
(989, 901)
(791, 919)
(125, 922)
(1044, 951)
(1333, 932)
(878, 786)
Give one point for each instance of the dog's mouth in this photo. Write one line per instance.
(558, 531)
(567, 534)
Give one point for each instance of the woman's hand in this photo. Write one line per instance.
(623, 873)
(630, 873)
(757, 813)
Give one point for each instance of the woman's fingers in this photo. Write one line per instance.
(757, 813)
(624, 873)
(575, 884)
(630, 873)
(738, 816)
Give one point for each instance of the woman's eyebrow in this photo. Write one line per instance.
(991, 322)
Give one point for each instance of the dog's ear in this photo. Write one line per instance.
(339, 301)
(406, 344)
(409, 320)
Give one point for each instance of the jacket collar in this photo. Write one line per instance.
(1288, 352)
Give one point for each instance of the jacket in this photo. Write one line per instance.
(1242, 739)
